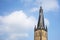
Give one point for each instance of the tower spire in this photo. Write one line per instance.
(40, 33)
(41, 18)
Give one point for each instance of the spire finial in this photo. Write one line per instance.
(40, 2)
(41, 10)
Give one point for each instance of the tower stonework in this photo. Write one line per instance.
(40, 32)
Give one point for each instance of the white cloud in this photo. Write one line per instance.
(20, 35)
(15, 36)
(16, 23)
(46, 22)
(48, 5)
(20, 18)
(34, 9)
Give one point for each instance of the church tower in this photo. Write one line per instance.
(40, 32)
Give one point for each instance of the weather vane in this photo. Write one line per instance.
(40, 2)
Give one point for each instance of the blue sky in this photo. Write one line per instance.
(18, 18)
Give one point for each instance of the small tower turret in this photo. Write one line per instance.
(46, 28)
(35, 28)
